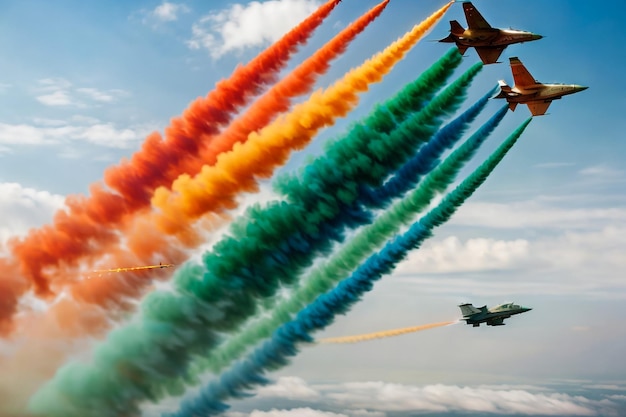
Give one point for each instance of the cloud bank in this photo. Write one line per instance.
(255, 24)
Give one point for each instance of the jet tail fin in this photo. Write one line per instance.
(456, 30)
(468, 309)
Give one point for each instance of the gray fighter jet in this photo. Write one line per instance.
(489, 42)
(529, 91)
(493, 316)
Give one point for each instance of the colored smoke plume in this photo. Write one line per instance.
(384, 334)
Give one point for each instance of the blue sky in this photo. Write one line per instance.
(82, 83)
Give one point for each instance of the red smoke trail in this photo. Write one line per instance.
(86, 228)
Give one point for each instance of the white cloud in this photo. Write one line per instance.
(22, 208)
(550, 264)
(587, 251)
(107, 96)
(61, 92)
(509, 387)
(534, 214)
(288, 387)
(48, 122)
(366, 413)
(48, 132)
(611, 387)
(375, 398)
(105, 134)
(4, 87)
(56, 92)
(602, 172)
(556, 243)
(168, 12)
(255, 24)
(80, 119)
(445, 398)
(23, 134)
(479, 254)
(57, 98)
(551, 165)
(295, 412)
(53, 84)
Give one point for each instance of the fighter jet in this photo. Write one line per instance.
(529, 91)
(493, 316)
(489, 42)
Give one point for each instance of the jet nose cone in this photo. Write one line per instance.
(536, 37)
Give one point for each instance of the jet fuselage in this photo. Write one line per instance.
(493, 37)
(540, 92)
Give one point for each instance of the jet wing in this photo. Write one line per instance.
(538, 108)
(489, 55)
(474, 19)
(521, 76)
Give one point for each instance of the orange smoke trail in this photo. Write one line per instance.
(278, 99)
(160, 162)
(11, 288)
(214, 189)
(387, 333)
(275, 101)
(86, 228)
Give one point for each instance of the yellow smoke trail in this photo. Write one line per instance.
(215, 188)
(383, 334)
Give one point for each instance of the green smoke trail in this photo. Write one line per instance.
(348, 257)
(274, 353)
(371, 158)
(230, 256)
(263, 235)
(146, 358)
